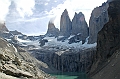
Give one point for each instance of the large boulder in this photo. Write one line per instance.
(52, 30)
(65, 24)
(79, 26)
(99, 17)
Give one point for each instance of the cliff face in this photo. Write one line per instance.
(79, 25)
(52, 30)
(109, 36)
(66, 60)
(65, 24)
(108, 46)
(99, 17)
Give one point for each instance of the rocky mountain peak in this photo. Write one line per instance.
(79, 25)
(51, 25)
(3, 28)
(108, 37)
(108, 46)
(65, 12)
(80, 15)
(65, 24)
(52, 30)
(99, 17)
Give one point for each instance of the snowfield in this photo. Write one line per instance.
(29, 42)
(52, 42)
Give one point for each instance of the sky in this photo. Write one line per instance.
(31, 17)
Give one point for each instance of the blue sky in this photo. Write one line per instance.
(31, 17)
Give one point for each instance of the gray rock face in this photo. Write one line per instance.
(66, 60)
(109, 36)
(99, 17)
(65, 24)
(108, 42)
(109, 0)
(79, 25)
(52, 30)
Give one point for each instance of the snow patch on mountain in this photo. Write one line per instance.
(52, 41)
(29, 42)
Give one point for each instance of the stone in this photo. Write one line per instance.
(19, 64)
(52, 30)
(3, 28)
(109, 36)
(99, 17)
(79, 26)
(66, 60)
(65, 24)
(12, 70)
(108, 43)
(43, 41)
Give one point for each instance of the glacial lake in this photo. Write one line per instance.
(70, 75)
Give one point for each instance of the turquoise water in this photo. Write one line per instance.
(70, 75)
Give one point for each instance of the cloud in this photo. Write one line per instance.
(37, 13)
(4, 8)
(52, 20)
(23, 7)
(84, 6)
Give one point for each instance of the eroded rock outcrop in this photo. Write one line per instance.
(20, 65)
(99, 17)
(79, 26)
(65, 24)
(108, 46)
(52, 30)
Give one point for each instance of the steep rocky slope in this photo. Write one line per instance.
(65, 24)
(112, 68)
(99, 17)
(106, 64)
(14, 65)
(79, 26)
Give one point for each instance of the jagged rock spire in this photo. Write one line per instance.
(79, 25)
(65, 24)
